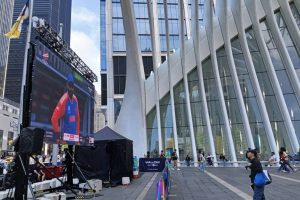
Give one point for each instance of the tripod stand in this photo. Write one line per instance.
(26, 176)
(22, 180)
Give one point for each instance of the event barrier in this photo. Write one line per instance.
(163, 185)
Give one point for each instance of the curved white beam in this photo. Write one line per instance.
(110, 114)
(131, 122)
(187, 18)
(153, 23)
(170, 78)
(196, 42)
(185, 81)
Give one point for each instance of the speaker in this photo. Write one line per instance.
(31, 140)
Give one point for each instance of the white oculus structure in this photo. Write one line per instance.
(232, 85)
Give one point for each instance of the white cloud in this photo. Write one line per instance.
(84, 16)
(85, 38)
(88, 50)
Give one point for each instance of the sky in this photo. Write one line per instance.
(85, 34)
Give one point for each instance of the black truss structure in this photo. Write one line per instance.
(52, 40)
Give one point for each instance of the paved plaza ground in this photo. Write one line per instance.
(216, 183)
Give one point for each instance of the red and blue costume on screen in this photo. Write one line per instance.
(67, 109)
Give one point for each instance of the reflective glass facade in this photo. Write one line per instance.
(275, 116)
(295, 13)
(183, 132)
(231, 102)
(166, 123)
(103, 35)
(214, 108)
(283, 77)
(152, 134)
(6, 12)
(142, 22)
(252, 109)
(294, 54)
(200, 127)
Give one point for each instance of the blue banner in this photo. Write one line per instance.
(151, 164)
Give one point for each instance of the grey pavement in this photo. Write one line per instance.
(131, 191)
(279, 188)
(189, 183)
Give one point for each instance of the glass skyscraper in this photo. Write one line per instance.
(6, 13)
(54, 12)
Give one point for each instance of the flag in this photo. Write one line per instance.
(15, 30)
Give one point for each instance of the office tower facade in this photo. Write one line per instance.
(9, 125)
(54, 12)
(6, 13)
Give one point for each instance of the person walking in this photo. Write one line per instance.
(285, 161)
(201, 160)
(222, 159)
(255, 167)
(174, 158)
(272, 159)
(188, 160)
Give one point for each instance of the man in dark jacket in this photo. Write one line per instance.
(255, 168)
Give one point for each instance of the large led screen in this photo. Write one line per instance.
(62, 100)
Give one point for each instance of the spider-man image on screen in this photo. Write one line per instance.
(66, 118)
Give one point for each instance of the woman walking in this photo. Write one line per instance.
(255, 168)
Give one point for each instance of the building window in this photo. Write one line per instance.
(293, 52)
(296, 13)
(166, 123)
(268, 93)
(10, 137)
(5, 107)
(183, 131)
(152, 134)
(104, 89)
(283, 77)
(119, 63)
(200, 128)
(214, 108)
(251, 105)
(231, 102)
(117, 106)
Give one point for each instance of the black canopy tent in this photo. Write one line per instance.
(110, 159)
